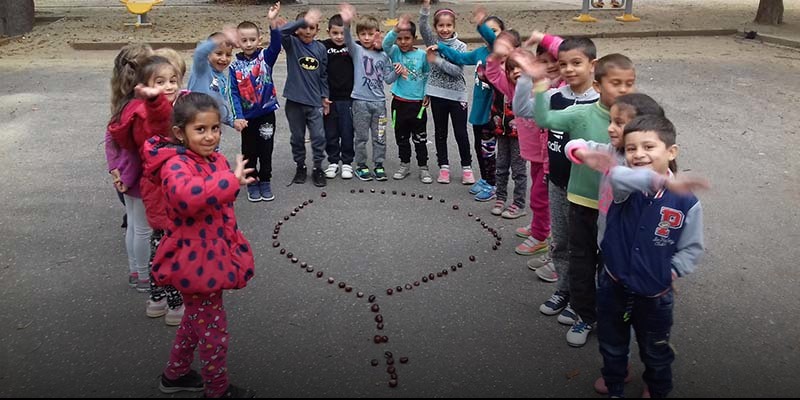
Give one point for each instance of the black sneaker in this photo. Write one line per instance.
(380, 173)
(318, 177)
(235, 392)
(300, 175)
(191, 382)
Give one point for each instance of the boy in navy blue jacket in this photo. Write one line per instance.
(254, 101)
(654, 235)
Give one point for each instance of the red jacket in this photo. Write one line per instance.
(140, 120)
(203, 250)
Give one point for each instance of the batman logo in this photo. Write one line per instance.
(308, 63)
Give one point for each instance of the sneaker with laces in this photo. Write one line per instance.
(380, 173)
(540, 261)
(143, 286)
(600, 384)
(191, 382)
(174, 316)
(467, 176)
(133, 279)
(531, 246)
(577, 335)
(557, 302)
(444, 175)
(235, 392)
(567, 316)
(487, 194)
(253, 192)
(425, 175)
(499, 206)
(347, 171)
(514, 212)
(363, 173)
(547, 273)
(156, 309)
(523, 232)
(266, 191)
(403, 172)
(318, 177)
(331, 171)
(478, 186)
(300, 175)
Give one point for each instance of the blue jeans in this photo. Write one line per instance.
(651, 319)
(339, 132)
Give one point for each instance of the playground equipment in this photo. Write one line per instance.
(627, 15)
(392, 20)
(140, 8)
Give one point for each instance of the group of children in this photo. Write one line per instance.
(613, 224)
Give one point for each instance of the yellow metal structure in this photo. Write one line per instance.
(584, 18)
(140, 8)
(390, 22)
(628, 18)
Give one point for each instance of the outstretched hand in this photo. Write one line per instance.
(687, 183)
(426, 4)
(502, 47)
(535, 39)
(240, 172)
(600, 161)
(313, 17)
(231, 35)
(528, 64)
(274, 10)
(146, 93)
(348, 12)
(479, 15)
(404, 23)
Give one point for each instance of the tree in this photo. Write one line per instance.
(16, 17)
(770, 12)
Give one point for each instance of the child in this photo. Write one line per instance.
(174, 58)
(614, 76)
(447, 90)
(409, 118)
(254, 99)
(654, 235)
(306, 92)
(575, 58)
(372, 68)
(203, 251)
(210, 70)
(482, 95)
(339, 119)
(124, 164)
(503, 73)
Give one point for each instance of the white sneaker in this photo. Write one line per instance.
(403, 172)
(577, 335)
(425, 175)
(156, 309)
(538, 262)
(567, 316)
(547, 273)
(174, 316)
(347, 171)
(331, 171)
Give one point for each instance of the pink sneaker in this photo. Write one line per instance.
(524, 232)
(444, 176)
(600, 383)
(467, 177)
(646, 392)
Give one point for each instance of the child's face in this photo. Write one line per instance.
(494, 26)
(620, 116)
(166, 79)
(249, 40)
(514, 74)
(367, 38)
(220, 58)
(445, 26)
(405, 41)
(617, 82)
(202, 134)
(551, 66)
(575, 67)
(307, 34)
(646, 150)
(336, 34)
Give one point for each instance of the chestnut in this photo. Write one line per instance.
(416, 283)
(385, 339)
(374, 362)
(301, 206)
(295, 260)
(293, 213)
(375, 307)
(438, 274)
(390, 361)
(388, 354)
(352, 190)
(408, 286)
(431, 276)
(469, 214)
(379, 326)
(422, 196)
(402, 193)
(391, 369)
(341, 285)
(319, 274)
(398, 288)
(379, 318)
(389, 291)
(430, 197)
(371, 298)
(296, 209)
(383, 191)
(393, 376)
(394, 192)
(309, 269)
(303, 264)
(403, 360)
(323, 194)
(348, 289)
(455, 206)
(286, 218)
(425, 279)
(331, 280)
(478, 219)
(472, 258)
(360, 190)
(359, 294)
(310, 201)
(289, 255)
(283, 251)
(372, 190)
(280, 222)
(441, 200)
(459, 265)
(413, 195)
(377, 339)
(453, 268)
(392, 383)
(305, 203)
(494, 247)
(275, 236)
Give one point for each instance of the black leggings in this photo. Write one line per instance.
(457, 112)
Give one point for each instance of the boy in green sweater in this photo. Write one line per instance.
(614, 76)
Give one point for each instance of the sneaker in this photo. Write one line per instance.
(601, 388)
(133, 279)
(235, 392)
(347, 171)
(567, 316)
(380, 173)
(538, 262)
(487, 194)
(547, 273)
(425, 175)
(300, 175)
(467, 177)
(124, 221)
(577, 335)
(616, 4)
(530, 246)
(318, 177)
(143, 286)
(646, 393)
(253, 192)
(555, 304)
(444, 175)
(523, 232)
(156, 309)
(515, 212)
(498, 207)
(363, 173)
(266, 191)
(598, 4)
(331, 171)
(478, 186)
(174, 316)
(191, 382)
(403, 172)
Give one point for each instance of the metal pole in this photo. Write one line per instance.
(392, 21)
(627, 16)
(585, 17)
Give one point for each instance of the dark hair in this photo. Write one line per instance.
(585, 45)
(248, 25)
(511, 63)
(335, 20)
(443, 11)
(189, 105)
(638, 104)
(496, 19)
(609, 62)
(658, 124)
(512, 36)
(301, 14)
(150, 67)
(412, 28)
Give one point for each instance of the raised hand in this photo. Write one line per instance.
(313, 17)
(528, 63)
(348, 12)
(600, 161)
(426, 4)
(502, 47)
(277, 22)
(241, 173)
(686, 183)
(404, 23)
(145, 92)
(479, 15)
(274, 10)
(231, 35)
(535, 39)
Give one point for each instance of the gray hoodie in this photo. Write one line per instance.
(446, 79)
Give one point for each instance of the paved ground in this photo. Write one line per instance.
(71, 327)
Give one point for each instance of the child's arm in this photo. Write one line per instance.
(157, 116)
(560, 120)
(690, 246)
(288, 29)
(189, 194)
(597, 156)
(424, 27)
(496, 75)
(239, 122)
(348, 13)
(625, 180)
(446, 66)
(479, 19)
(272, 52)
(458, 57)
(200, 65)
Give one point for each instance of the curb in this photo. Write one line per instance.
(772, 40)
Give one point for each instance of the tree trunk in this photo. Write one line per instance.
(16, 17)
(770, 12)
